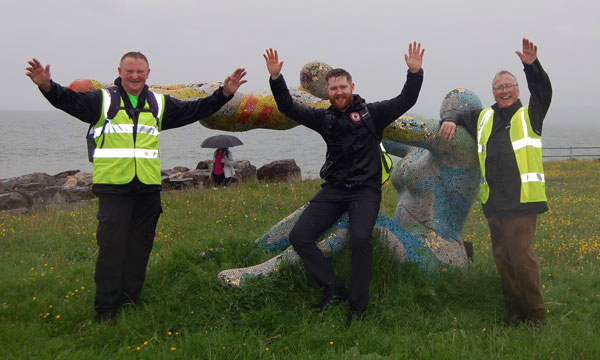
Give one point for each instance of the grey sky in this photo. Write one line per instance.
(466, 41)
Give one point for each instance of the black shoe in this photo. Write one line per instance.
(332, 298)
(354, 316)
(537, 322)
(105, 318)
(512, 319)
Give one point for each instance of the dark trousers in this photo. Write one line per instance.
(218, 179)
(323, 210)
(126, 228)
(512, 246)
(222, 180)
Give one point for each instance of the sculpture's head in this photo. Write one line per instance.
(312, 78)
(460, 99)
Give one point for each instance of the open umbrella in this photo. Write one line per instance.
(221, 141)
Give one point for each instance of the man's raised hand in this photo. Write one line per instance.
(39, 74)
(414, 58)
(233, 82)
(273, 63)
(529, 53)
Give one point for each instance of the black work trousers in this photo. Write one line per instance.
(323, 210)
(125, 235)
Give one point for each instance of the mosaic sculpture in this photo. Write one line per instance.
(437, 181)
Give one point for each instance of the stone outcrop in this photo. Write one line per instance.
(37, 190)
(40, 189)
(199, 178)
(279, 171)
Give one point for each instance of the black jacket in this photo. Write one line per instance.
(352, 151)
(87, 107)
(502, 173)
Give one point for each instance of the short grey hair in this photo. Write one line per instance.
(504, 72)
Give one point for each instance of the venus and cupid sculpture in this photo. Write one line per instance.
(437, 181)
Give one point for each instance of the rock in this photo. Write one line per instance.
(78, 193)
(204, 164)
(14, 200)
(37, 190)
(180, 169)
(48, 195)
(78, 179)
(279, 171)
(65, 174)
(244, 170)
(165, 173)
(59, 194)
(176, 169)
(187, 179)
(28, 182)
(30, 186)
(201, 177)
(180, 183)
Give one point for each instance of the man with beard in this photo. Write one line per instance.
(351, 173)
(512, 192)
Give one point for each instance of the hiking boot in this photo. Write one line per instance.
(537, 322)
(332, 297)
(512, 319)
(105, 318)
(354, 316)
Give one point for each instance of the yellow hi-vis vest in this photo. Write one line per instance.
(527, 146)
(117, 158)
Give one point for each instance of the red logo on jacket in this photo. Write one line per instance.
(355, 116)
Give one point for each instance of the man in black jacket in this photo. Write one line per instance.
(129, 196)
(512, 190)
(352, 173)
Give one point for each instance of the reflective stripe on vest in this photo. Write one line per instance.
(126, 153)
(111, 128)
(527, 146)
(117, 158)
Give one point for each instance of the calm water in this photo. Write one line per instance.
(51, 142)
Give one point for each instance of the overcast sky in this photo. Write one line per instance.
(466, 41)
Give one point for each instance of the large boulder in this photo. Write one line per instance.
(279, 171)
(187, 179)
(244, 170)
(204, 164)
(79, 179)
(52, 195)
(41, 189)
(29, 182)
(14, 200)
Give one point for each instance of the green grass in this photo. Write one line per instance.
(47, 289)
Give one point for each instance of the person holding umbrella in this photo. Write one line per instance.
(222, 169)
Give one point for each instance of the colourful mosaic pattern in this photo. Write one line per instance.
(437, 181)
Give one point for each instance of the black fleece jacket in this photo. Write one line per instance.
(87, 107)
(352, 158)
(502, 173)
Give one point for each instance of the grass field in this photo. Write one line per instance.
(47, 288)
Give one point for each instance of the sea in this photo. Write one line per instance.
(52, 142)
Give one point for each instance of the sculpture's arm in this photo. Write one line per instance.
(246, 111)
